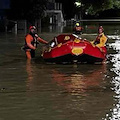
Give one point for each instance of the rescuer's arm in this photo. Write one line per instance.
(103, 40)
(40, 39)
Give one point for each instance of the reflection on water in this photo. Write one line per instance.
(81, 81)
(67, 91)
(114, 113)
(30, 74)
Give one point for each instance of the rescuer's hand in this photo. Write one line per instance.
(36, 35)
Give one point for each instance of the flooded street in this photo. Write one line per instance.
(35, 90)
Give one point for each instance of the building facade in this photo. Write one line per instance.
(54, 11)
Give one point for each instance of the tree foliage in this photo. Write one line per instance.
(93, 7)
(27, 9)
(34, 9)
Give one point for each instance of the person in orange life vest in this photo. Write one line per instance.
(101, 39)
(31, 41)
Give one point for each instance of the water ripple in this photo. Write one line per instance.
(114, 113)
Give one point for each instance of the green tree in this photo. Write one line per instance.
(36, 9)
(94, 7)
(27, 9)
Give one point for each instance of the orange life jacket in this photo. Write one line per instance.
(32, 39)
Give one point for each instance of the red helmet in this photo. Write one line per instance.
(32, 27)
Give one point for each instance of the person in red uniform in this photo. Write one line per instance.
(31, 41)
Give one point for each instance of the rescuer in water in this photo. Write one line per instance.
(31, 41)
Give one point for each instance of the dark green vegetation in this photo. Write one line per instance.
(34, 9)
(97, 8)
(27, 9)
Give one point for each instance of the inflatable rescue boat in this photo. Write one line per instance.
(69, 48)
